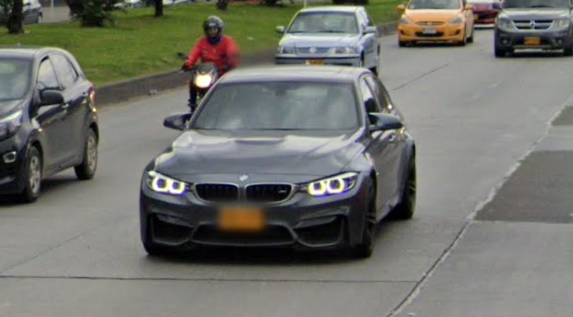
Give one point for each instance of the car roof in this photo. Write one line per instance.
(30, 52)
(332, 9)
(325, 74)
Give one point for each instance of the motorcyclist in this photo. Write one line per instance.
(215, 48)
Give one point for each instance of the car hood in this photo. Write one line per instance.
(431, 15)
(534, 14)
(276, 152)
(7, 107)
(319, 40)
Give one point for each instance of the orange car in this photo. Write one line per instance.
(436, 21)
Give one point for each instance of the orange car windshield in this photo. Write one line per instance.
(434, 4)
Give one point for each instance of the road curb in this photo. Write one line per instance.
(110, 94)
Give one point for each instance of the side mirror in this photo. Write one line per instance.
(370, 30)
(469, 7)
(383, 121)
(51, 97)
(177, 121)
(401, 8)
(280, 29)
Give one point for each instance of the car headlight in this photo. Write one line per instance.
(203, 81)
(404, 20)
(456, 20)
(561, 24)
(165, 185)
(11, 124)
(333, 185)
(505, 24)
(286, 50)
(343, 50)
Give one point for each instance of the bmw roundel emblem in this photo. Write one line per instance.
(243, 178)
(312, 50)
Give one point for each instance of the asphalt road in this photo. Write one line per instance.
(76, 252)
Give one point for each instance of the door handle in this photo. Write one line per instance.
(65, 106)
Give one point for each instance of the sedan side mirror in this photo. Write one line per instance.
(383, 121)
(177, 121)
(401, 8)
(370, 30)
(51, 97)
(280, 29)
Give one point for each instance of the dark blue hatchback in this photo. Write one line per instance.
(48, 119)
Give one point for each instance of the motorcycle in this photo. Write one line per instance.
(203, 77)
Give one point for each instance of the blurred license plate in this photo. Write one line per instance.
(241, 219)
(314, 62)
(532, 41)
(430, 31)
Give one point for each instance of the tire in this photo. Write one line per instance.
(405, 209)
(568, 51)
(366, 247)
(471, 38)
(86, 170)
(33, 175)
(402, 44)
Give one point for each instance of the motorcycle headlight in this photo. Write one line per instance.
(456, 20)
(343, 50)
(333, 185)
(561, 24)
(203, 81)
(286, 50)
(11, 124)
(505, 24)
(165, 185)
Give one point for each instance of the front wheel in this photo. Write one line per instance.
(86, 170)
(366, 247)
(32, 175)
(405, 209)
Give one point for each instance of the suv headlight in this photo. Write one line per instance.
(343, 50)
(505, 24)
(561, 24)
(11, 124)
(456, 20)
(165, 185)
(332, 185)
(286, 50)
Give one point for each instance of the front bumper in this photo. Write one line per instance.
(345, 60)
(301, 222)
(11, 167)
(550, 40)
(440, 33)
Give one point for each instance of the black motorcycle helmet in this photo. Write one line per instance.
(213, 22)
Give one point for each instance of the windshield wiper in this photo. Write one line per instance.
(539, 6)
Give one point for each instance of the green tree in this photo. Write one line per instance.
(12, 16)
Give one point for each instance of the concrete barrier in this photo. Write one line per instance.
(149, 85)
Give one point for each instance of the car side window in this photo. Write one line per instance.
(379, 93)
(65, 71)
(47, 76)
(369, 101)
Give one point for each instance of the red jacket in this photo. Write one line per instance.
(223, 54)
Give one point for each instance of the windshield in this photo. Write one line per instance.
(14, 78)
(325, 22)
(434, 4)
(508, 4)
(279, 106)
